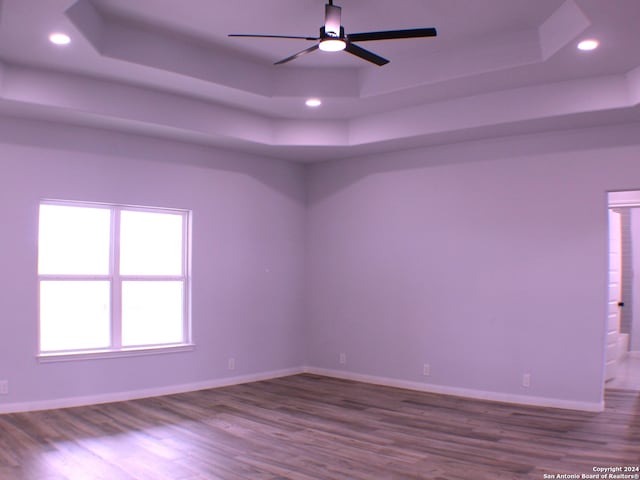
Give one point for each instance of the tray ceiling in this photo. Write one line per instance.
(168, 69)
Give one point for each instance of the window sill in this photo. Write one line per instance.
(125, 352)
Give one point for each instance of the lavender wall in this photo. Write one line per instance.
(248, 230)
(485, 260)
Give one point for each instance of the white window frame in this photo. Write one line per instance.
(115, 279)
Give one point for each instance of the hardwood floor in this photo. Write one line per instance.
(310, 428)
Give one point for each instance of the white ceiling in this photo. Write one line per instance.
(167, 68)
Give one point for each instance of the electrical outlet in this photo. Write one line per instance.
(526, 380)
(4, 387)
(231, 363)
(343, 359)
(426, 370)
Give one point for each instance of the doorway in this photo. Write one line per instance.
(623, 322)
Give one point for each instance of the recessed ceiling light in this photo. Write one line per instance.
(313, 102)
(589, 44)
(59, 38)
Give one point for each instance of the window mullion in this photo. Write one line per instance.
(71, 277)
(116, 282)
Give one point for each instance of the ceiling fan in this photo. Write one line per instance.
(333, 39)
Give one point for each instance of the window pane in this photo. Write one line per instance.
(73, 240)
(74, 315)
(151, 313)
(150, 243)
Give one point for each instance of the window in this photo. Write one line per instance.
(112, 278)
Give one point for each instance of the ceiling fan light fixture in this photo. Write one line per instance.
(332, 45)
(313, 102)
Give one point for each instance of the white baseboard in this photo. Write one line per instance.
(461, 392)
(144, 393)
(228, 381)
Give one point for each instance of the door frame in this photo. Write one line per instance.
(622, 199)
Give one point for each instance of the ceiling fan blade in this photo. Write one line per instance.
(271, 36)
(392, 34)
(365, 54)
(296, 55)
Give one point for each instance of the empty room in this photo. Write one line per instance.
(316, 239)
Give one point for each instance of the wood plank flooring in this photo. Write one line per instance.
(307, 427)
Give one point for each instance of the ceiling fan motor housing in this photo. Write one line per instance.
(324, 35)
(330, 43)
